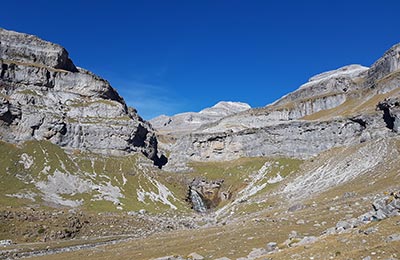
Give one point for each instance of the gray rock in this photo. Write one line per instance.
(279, 128)
(271, 246)
(391, 109)
(195, 256)
(348, 224)
(45, 97)
(393, 237)
(370, 230)
(330, 231)
(299, 139)
(293, 234)
(347, 195)
(330, 86)
(306, 240)
(26, 48)
(385, 207)
(6, 242)
(171, 257)
(204, 194)
(387, 64)
(256, 253)
(296, 207)
(188, 122)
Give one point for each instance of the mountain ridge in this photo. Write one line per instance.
(189, 121)
(350, 89)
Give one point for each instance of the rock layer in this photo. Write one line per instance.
(188, 122)
(43, 95)
(284, 128)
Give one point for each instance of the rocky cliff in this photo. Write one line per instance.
(44, 96)
(187, 122)
(332, 109)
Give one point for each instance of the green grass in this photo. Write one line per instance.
(237, 173)
(28, 92)
(123, 172)
(9, 182)
(36, 65)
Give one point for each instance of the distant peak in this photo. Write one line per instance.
(346, 70)
(231, 104)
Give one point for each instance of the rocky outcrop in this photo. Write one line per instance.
(388, 64)
(43, 95)
(331, 83)
(25, 48)
(322, 92)
(282, 128)
(187, 122)
(386, 207)
(204, 195)
(391, 113)
(299, 139)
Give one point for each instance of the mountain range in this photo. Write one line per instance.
(82, 175)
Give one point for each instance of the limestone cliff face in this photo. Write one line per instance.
(384, 67)
(43, 95)
(187, 122)
(332, 109)
(25, 48)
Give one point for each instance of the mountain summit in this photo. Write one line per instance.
(186, 122)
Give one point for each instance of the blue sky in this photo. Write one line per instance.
(170, 56)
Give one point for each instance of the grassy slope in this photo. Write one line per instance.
(124, 172)
(353, 106)
(238, 238)
(254, 223)
(118, 171)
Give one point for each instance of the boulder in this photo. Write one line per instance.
(195, 256)
(391, 110)
(271, 246)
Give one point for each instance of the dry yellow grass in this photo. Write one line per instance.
(353, 106)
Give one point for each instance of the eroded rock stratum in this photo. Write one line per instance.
(44, 96)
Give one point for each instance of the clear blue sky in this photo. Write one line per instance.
(170, 56)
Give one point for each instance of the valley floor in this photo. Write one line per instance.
(238, 236)
(310, 221)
